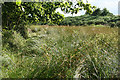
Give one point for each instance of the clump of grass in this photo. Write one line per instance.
(63, 52)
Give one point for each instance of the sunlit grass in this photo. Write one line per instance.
(63, 52)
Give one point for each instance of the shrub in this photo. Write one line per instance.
(105, 12)
(97, 12)
(91, 22)
(112, 24)
(13, 40)
(98, 22)
(118, 23)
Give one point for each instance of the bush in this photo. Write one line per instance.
(106, 18)
(98, 22)
(118, 23)
(91, 22)
(97, 12)
(112, 24)
(105, 12)
(22, 29)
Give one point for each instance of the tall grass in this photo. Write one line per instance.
(61, 52)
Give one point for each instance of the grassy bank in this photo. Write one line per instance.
(61, 52)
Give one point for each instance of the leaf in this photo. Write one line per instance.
(18, 2)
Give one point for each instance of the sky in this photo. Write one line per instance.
(111, 5)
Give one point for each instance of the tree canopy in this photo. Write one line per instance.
(19, 14)
(103, 12)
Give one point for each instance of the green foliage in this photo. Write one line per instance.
(90, 20)
(61, 52)
(18, 2)
(118, 23)
(97, 12)
(23, 13)
(112, 24)
(103, 12)
(12, 40)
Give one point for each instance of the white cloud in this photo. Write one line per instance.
(111, 5)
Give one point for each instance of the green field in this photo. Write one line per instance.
(61, 52)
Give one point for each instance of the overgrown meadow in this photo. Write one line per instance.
(60, 52)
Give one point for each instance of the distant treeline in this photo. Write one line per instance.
(98, 17)
(91, 20)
